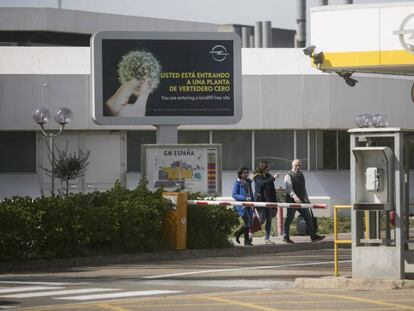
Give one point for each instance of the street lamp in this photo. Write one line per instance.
(63, 116)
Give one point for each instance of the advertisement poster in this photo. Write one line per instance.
(149, 79)
(194, 168)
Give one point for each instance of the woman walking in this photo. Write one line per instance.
(265, 192)
(242, 191)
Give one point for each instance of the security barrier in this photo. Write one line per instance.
(336, 240)
(256, 204)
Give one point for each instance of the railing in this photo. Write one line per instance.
(336, 240)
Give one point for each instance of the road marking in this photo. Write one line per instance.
(120, 295)
(366, 300)
(239, 303)
(60, 292)
(162, 276)
(111, 307)
(41, 283)
(26, 289)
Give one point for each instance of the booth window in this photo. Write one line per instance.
(343, 150)
(17, 152)
(276, 147)
(236, 148)
(302, 147)
(326, 150)
(134, 141)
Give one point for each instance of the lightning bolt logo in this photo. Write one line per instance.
(219, 53)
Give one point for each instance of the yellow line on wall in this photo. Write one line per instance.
(367, 59)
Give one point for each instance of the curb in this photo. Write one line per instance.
(236, 251)
(353, 284)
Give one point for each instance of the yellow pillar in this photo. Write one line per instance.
(174, 224)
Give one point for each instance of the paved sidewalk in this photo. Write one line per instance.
(257, 241)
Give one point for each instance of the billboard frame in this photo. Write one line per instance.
(97, 81)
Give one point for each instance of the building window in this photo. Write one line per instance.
(193, 137)
(302, 148)
(236, 148)
(343, 150)
(134, 141)
(276, 147)
(17, 152)
(326, 150)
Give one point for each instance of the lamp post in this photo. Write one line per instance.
(63, 116)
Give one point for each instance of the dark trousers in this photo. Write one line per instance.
(265, 215)
(244, 228)
(304, 212)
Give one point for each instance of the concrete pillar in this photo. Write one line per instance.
(267, 34)
(245, 36)
(301, 23)
(322, 2)
(258, 35)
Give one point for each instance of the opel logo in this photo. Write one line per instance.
(219, 53)
(406, 34)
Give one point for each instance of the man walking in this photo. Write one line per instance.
(296, 193)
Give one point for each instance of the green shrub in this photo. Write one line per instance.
(210, 226)
(115, 221)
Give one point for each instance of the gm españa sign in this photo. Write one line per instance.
(166, 78)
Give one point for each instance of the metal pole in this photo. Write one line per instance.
(335, 245)
(52, 152)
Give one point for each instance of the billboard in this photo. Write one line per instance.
(190, 167)
(166, 78)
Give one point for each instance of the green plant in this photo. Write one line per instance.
(210, 226)
(116, 221)
(68, 166)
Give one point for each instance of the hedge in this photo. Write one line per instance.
(112, 222)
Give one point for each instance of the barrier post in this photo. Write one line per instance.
(336, 240)
(174, 223)
(335, 245)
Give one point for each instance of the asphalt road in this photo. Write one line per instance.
(262, 282)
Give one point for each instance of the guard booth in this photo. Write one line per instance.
(382, 182)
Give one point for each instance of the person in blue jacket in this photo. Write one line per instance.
(242, 191)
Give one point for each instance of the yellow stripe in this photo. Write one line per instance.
(367, 59)
(239, 303)
(111, 307)
(365, 300)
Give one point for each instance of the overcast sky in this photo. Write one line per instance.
(282, 13)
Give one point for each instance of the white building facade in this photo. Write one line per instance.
(290, 110)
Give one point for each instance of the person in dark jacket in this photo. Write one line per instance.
(296, 193)
(264, 191)
(242, 191)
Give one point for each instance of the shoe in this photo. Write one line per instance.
(318, 238)
(248, 243)
(287, 240)
(237, 237)
(269, 242)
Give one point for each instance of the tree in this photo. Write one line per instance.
(69, 166)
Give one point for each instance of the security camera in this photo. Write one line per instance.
(318, 58)
(309, 50)
(351, 82)
(347, 77)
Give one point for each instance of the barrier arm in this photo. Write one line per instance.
(257, 204)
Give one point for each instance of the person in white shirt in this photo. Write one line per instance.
(296, 193)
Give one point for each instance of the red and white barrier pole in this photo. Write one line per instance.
(257, 204)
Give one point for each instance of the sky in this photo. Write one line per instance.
(282, 13)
